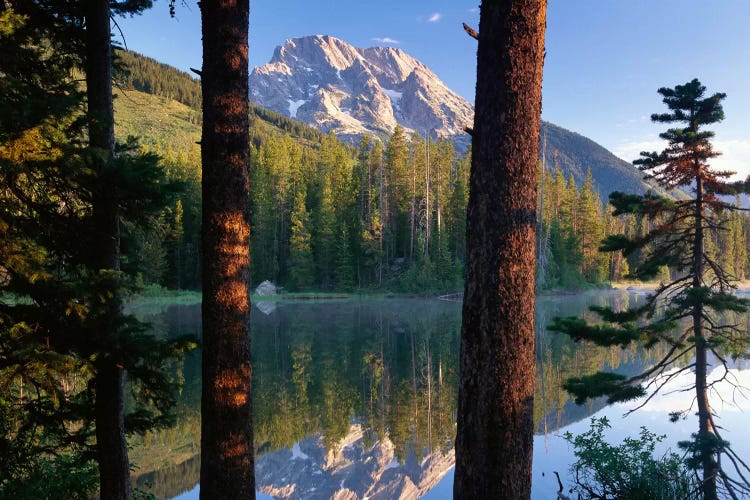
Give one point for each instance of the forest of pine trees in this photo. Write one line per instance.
(329, 216)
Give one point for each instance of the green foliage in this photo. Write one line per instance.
(35, 85)
(344, 268)
(578, 329)
(139, 494)
(566, 258)
(301, 264)
(700, 446)
(65, 322)
(142, 73)
(420, 277)
(615, 386)
(572, 225)
(628, 470)
(44, 477)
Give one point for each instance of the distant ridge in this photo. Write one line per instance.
(573, 152)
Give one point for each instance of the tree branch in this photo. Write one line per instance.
(471, 31)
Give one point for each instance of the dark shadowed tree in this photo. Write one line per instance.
(227, 465)
(62, 200)
(494, 436)
(114, 466)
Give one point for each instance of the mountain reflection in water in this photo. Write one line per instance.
(357, 398)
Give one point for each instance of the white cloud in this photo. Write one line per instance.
(435, 17)
(385, 39)
(735, 153)
(474, 10)
(735, 157)
(631, 150)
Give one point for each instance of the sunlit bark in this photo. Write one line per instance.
(227, 463)
(494, 434)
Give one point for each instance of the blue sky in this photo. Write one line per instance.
(605, 58)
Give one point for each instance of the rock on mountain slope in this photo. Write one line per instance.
(325, 82)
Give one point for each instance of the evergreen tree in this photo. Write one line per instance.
(733, 242)
(569, 215)
(263, 217)
(456, 220)
(377, 230)
(324, 237)
(398, 186)
(591, 231)
(362, 178)
(76, 337)
(301, 264)
(174, 244)
(565, 258)
(344, 270)
(700, 292)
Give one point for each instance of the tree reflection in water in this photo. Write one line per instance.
(361, 394)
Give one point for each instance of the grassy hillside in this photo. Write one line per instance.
(162, 105)
(158, 121)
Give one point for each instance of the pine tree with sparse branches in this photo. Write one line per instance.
(683, 312)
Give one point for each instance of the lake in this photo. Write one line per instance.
(357, 398)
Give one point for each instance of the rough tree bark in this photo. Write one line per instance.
(227, 465)
(114, 466)
(494, 436)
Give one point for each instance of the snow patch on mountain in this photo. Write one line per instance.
(294, 106)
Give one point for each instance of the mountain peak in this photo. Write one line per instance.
(332, 85)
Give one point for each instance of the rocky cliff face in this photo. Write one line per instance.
(356, 470)
(327, 83)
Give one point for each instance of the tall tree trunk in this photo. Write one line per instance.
(706, 436)
(494, 436)
(114, 466)
(383, 201)
(412, 214)
(428, 212)
(227, 465)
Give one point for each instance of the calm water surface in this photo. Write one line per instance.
(360, 395)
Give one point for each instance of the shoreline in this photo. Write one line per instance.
(189, 297)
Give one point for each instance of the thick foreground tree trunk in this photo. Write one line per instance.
(227, 466)
(114, 466)
(494, 436)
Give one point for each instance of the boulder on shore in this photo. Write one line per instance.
(266, 288)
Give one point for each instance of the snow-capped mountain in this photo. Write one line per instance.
(332, 85)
